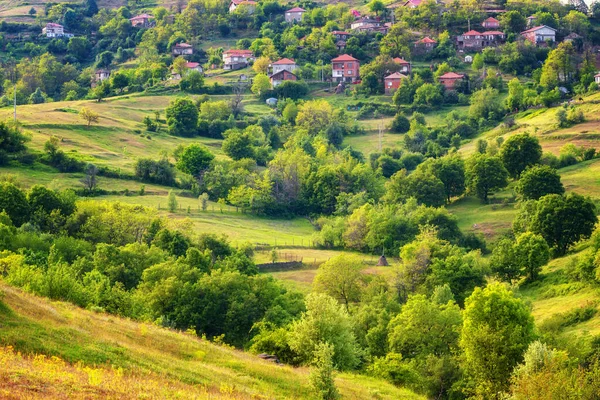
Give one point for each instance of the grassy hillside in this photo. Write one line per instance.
(91, 355)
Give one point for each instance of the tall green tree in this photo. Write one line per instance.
(485, 174)
(341, 278)
(537, 181)
(194, 160)
(561, 220)
(497, 329)
(520, 151)
(182, 117)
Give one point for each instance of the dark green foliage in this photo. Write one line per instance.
(520, 151)
(14, 203)
(560, 220)
(291, 90)
(160, 172)
(182, 117)
(484, 175)
(400, 124)
(538, 181)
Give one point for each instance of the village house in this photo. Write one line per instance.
(294, 15)
(597, 79)
(189, 66)
(345, 68)
(283, 75)
(450, 80)
(405, 66)
(475, 40)
(363, 23)
(340, 38)
(53, 30)
(392, 82)
(531, 21)
(249, 5)
(101, 74)
(491, 23)
(236, 59)
(183, 49)
(540, 34)
(142, 21)
(425, 45)
(285, 64)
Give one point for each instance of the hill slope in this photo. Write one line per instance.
(91, 355)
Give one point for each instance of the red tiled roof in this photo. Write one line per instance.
(396, 75)
(451, 75)
(191, 64)
(415, 2)
(284, 61)
(344, 57)
(491, 19)
(597, 76)
(400, 61)
(426, 39)
(472, 33)
(184, 45)
(537, 28)
(340, 33)
(238, 52)
(296, 9)
(493, 33)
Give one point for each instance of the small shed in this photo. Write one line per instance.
(272, 101)
(382, 262)
(468, 59)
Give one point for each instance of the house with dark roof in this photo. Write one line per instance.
(345, 68)
(283, 75)
(294, 15)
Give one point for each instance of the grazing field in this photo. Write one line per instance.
(52, 349)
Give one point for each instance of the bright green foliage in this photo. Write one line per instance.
(182, 117)
(531, 252)
(538, 181)
(425, 187)
(425, 328)
(520, 151)
(325, 321)
(450, 170)
(321, 375)
(260, 84)
(341, 278)
(11, 138)
(172, 201)
(486, 104)
(485, 174)
(192, 82)
(561, 220)
(497, 329)
(194, 159)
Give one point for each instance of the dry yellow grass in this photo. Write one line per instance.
(102, 356)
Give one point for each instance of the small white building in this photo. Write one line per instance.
(597, 79)
(285, 64)
(294, 15)
(236, 59)
(102, 74)
(53, 30)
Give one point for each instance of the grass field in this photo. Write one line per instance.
(92, 355)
